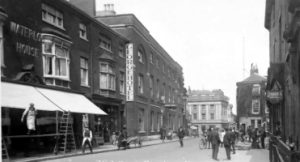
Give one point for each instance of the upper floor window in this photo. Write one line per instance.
(52, 16)
(141, 84)
(157, 63)
(105, 43)
(151, 58)
(157, 89)
(256, 89)
(122, 82)
(140, 56)
(121, 51)
(163, 67)
(255, 106)
(141, 122)
(84, 71)
(151, 86)
(107, 77)
(56, 59)
(82, 31)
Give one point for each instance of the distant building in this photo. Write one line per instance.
(251, 103)
(209, 109)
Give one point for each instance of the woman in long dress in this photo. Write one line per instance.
(30, 119)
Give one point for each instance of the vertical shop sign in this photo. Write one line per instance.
(129, 73)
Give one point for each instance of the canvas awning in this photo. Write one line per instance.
(20, 96)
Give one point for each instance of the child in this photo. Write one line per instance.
(113, 138)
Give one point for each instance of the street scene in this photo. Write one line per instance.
(150, 81)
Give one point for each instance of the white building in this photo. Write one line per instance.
(209, 109)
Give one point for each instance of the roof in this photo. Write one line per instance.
(207, 96)
(254, 78)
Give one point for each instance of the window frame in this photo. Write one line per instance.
(105, 43)
(110, 76)
(122, 83)
(83, 31)
(140, 84)
(57, 17)
(84, 69)
(253, 106)
(140, 55)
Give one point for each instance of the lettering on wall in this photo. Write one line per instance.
(129, 73)
(24, 32)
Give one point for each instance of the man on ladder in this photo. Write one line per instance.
(87, 139)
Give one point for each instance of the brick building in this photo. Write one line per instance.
(52, 51)
(281, 20)
(209, 109)
(154, 80)
(251, 101)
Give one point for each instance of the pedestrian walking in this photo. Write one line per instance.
(215, 142)
(87, 139)
(222, 133)
(227, 142)
(180, 134)
(233, 137)
(162, 133)
(263, 135)
(113, 138)
(209, 138)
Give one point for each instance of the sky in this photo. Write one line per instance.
(215, 41)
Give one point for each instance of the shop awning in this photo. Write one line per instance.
(20, 96)
(72, 102)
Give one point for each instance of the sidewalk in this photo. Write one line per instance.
(99, 149)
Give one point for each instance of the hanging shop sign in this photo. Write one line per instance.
(275, 95)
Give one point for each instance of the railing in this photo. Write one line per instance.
(280, 152)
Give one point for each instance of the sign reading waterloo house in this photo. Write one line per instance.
(129, 73)
(24, 36)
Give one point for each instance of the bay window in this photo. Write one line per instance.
(107, 77)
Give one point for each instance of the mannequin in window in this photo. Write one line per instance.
(30, 118)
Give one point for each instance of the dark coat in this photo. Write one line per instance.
(227, 139)
(180, 133)
(215, 139)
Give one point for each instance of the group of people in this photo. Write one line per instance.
(256, 136)
(215, 139)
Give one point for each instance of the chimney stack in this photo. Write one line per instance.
(108, 10)
(88, 6)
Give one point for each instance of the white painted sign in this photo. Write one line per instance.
(129, 73)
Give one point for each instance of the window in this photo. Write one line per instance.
(163, 67)
(82, 31)
(157, 63)
(255, 106)
(212, 111)
(121, 51)
(105, 43)
(141, 84)
(56, 61)
(266, 108)
(256, 89)
(203, 112)
(152, 120)
(157, 89)
(122, 82)
(84, 71)
(212, 116)
(151, 58)
(151, 86)
(258, 123)
(195, 112)
(1, 49)
(140, 56)
(252, 123)
(107, 76)
(141, 120)
(52, 16)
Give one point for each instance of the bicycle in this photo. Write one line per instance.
(202, 143)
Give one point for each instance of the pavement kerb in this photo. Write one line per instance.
(95, 151)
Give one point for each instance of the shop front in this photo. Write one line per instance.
(39, 135)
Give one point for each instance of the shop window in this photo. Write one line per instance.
(105, 43)
(141, 122)
(84, 71)
(141, 84)
(56, 61)
(107, 77)
(52, 16)
(152, 120)
(255, 106)
(122, 82)
(82, 31)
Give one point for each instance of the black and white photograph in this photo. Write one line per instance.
(150, 80)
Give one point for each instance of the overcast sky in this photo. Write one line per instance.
(208, 38)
